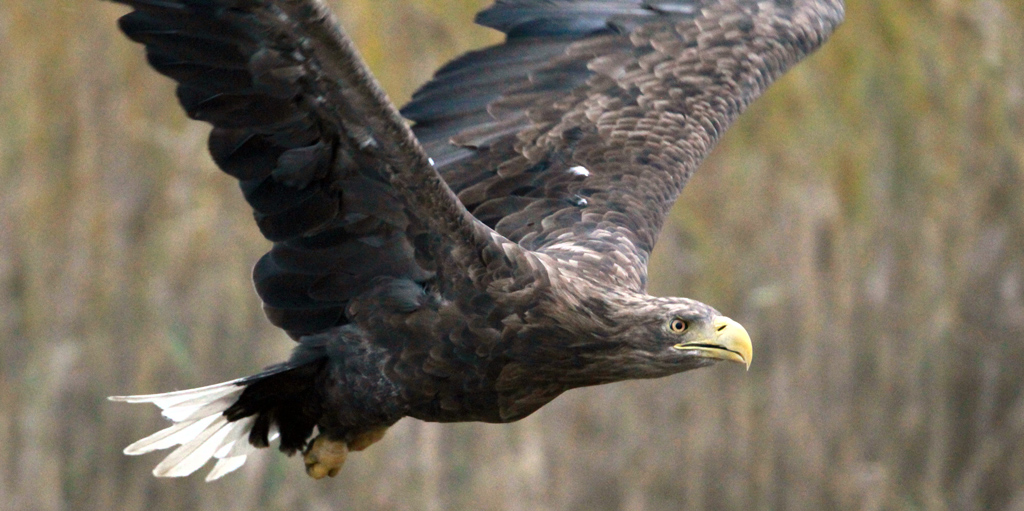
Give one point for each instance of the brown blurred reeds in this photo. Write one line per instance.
(865, 221)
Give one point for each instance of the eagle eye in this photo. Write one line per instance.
(677, 326)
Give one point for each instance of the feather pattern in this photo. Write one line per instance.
(199, 428)
(636, 91)
(321, 155)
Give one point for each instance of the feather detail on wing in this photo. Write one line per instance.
(199, 428)
(635, 91)
(331, 170)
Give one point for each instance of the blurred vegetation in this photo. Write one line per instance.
(864, 221)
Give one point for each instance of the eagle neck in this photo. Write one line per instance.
(594, 333)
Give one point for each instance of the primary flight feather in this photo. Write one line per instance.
(494, 255)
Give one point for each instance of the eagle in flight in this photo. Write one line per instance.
(477, 262)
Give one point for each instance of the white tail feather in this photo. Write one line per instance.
(200, 428)
(224, 466)
(231, 447)
(176, 434)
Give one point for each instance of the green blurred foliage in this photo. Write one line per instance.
(864, 220)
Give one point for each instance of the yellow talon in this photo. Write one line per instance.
(325, 457)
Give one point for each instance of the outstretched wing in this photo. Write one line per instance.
(335, 177)
(576, 135)
(572, 138)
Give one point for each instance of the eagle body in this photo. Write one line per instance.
(477, 264)
(491, 356)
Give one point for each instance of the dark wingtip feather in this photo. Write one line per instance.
(544, 18)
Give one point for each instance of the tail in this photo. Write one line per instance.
(230, 420)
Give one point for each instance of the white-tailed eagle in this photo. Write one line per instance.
(475, 265)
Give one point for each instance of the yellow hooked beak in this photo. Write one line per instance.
(730, 342)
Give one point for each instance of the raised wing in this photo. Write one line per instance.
(572, 138)
(335, 177)
(576, 135)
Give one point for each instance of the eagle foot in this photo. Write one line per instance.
(325, 456)
(366, 439)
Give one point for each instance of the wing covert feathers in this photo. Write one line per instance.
(199, 428)
(635, 91)
(326, 162)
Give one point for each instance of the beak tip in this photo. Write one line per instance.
(735, 338)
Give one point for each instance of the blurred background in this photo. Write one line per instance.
(864, 220)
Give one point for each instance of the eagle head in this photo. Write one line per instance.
(663, 336)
